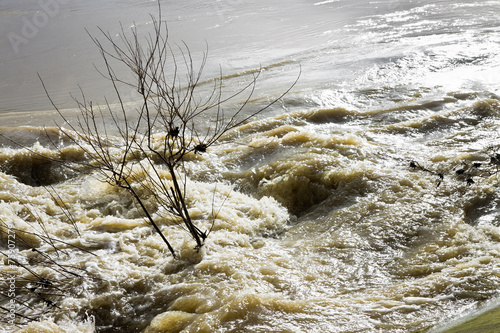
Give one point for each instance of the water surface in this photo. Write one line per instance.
(366, 200)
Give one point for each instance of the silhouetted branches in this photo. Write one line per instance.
(167, 126)
(34, 277)
(467, 171)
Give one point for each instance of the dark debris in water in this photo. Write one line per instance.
(416, 166)
(468, 171)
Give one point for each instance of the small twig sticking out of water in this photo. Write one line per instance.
(415, 165)
(470, 170)
(63, 206)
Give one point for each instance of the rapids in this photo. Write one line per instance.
(367, 200)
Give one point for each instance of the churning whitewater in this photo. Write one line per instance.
(366, 200)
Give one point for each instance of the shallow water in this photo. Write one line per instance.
(365, 201)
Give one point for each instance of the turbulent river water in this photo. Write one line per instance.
(366, 200)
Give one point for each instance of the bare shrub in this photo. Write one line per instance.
(167, 127)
